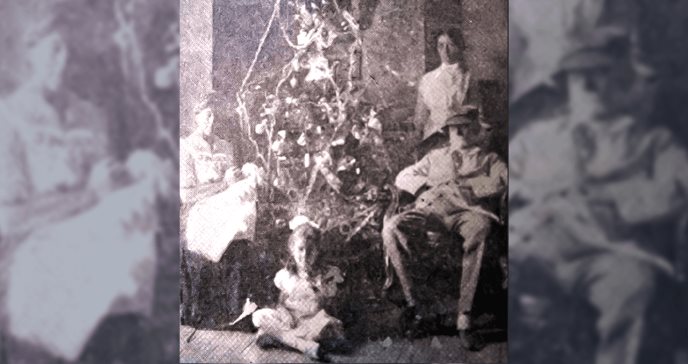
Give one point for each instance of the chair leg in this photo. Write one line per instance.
(389, 274)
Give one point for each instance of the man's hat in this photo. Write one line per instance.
(466, 116)
(601, 47)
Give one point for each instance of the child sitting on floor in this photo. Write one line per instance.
(299, 320)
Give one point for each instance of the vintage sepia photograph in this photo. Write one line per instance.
(343, 181)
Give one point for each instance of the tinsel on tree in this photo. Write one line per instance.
(321, 147)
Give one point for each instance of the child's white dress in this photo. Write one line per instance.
(299, 321)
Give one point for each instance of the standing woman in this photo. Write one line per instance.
(443, 92)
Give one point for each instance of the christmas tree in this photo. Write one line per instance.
(320, 144)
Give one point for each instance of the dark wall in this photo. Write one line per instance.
(662, 30)
(393, 54)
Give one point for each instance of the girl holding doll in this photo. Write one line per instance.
(299, 320)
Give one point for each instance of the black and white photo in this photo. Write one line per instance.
(343, 178)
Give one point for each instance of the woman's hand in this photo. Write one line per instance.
(232, 175)
(191, 195)
(108, 176)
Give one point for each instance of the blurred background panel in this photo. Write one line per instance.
(557, 312)
(96, 82)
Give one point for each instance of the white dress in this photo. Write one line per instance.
(64, 278)
(214, 222)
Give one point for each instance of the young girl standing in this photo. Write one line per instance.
(299, 320)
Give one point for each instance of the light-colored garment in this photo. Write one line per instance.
(546, 172)
(303, 296)
(66, 277)
(472, 227)
(300, 320)
(48, 158)
(543, 160)
(642, 172)
(445, 171)
(202, 162)
(43, 153)
(441, 94)
(483, 172)
(636, 170)
(302, 334)
(15, 184)
(213, 223)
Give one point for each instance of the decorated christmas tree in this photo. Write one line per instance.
(321, 146)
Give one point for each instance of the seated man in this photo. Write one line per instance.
(585, 178)
(458, 181)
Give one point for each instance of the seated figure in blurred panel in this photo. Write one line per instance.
(77, 227)
(583, 178)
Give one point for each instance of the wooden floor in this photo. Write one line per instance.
(238, 347)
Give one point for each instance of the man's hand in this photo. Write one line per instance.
(607, 216)
(457, 159)
(468, 194)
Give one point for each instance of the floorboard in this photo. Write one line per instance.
(209, 346)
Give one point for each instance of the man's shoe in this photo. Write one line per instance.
(318, 354)
(336, 346)
(267, 341)
(470, 340)
(184, 315)
(413, 323)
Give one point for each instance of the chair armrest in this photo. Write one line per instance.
(681, 248)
